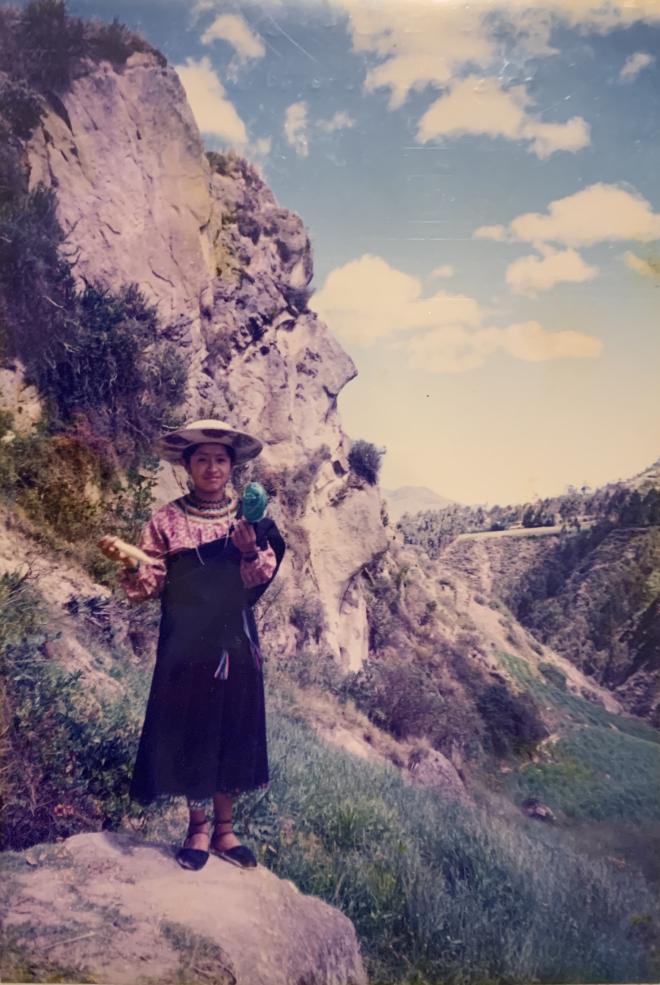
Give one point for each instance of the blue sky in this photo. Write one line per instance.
(480, 186)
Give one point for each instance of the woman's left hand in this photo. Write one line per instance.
(244, 536)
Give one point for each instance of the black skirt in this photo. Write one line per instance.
(204, 733)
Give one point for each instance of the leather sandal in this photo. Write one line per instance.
(239, 855)
(193, 858)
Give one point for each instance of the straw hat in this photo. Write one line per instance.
(171, 446)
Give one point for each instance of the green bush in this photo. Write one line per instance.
(293, 485)
(49, 43)
(20, 106)
(91, 353)
(513, 724)
(365, 461)
(45, 46)
(406, 700)
(309, 619)
(553, 674)
(67, 755)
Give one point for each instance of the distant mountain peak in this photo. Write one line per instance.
(413, 499)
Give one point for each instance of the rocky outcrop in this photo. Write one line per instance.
(124, 911)
(228, 270)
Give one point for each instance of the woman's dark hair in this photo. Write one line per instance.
(188, 452)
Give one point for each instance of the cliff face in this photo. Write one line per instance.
(228, 270)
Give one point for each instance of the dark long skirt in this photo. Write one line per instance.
(203, 734)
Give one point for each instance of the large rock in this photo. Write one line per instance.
(124, 910)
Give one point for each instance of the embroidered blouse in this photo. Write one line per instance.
(179, 525)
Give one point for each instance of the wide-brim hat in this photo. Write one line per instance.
(171, 446)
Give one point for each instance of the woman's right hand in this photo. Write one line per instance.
(111, 548)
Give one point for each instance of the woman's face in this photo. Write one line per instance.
(210, 467)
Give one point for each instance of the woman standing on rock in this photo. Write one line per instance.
(204, 734)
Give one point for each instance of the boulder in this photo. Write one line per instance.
(125, 911)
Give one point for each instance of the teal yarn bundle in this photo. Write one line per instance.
(254, 502)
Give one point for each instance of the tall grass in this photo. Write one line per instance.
(439, 893)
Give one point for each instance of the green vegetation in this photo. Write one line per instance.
(605, 766)
(67, 754)
(595, 597)
(107, 378)
(365, 461)
(91, 354)
(612, 507)
(598, 773)
(45, 46)
(439, 894)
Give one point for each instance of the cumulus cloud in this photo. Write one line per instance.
(233, 29)
(295, 128)
(453, 349)
(416, 44)
(340, 121)
(532, 274)
(367, 301)
(213, 111)
(634, 65)
(596, 214)
(445, 270)
(480, 105)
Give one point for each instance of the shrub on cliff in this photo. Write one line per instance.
(365, 461)
(20, 106)
(91, 352)
(45, 46)
(66, 756)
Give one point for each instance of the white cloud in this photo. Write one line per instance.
(213, 112)
(481, 106)
(340, 121)
(232, 28)
(547, 138)
(598, 213)
(646, 266)
(634, 65)
(368, 301)
(453, 349)
(418, 43)
(532, 274)
(295, 128)
(445, 270)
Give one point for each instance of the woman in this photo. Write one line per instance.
(204, 734)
